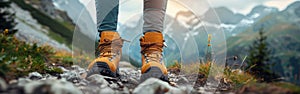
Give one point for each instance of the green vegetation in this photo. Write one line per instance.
(283, 38)
(45, 20)
(292, 87)
(18, 58)
(57, 37)
(67, 24)
(269, 88)
(259, 59)
(237, 78)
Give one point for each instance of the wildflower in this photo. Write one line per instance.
(209, 39)
(38, 49)
(17, 49)
(6, 31)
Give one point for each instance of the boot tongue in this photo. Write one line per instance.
(153, 37)
(110, 44)
(152, 46)
(109, 35)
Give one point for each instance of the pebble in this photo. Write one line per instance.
(35, 76)
(3, 85)
(72, 81)
(156, 86)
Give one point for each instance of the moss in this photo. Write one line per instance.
(54, 71)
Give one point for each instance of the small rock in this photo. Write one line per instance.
(13, 81)
(70, 76)
(63, 69)
(133, 81)
(125, 64)
(51, 86)
(156, 86)
(81, 71)
(98, 80)
(50, 77)
(35, 76)
(106, 90)
(3, 85)
(64, 87)
(182, 79)
(114, 85)
(23, 81)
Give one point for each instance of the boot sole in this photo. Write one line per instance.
(102, 69)
(154, 72)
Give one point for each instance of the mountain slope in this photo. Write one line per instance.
(45, 20)
(282, 29)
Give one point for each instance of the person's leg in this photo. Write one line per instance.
(107, 15)
(154, 14)
(110, 45)
(152, 42)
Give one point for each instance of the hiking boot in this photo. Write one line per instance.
(110, 48)
(152, 44)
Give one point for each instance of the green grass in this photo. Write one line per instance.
(17, 58)
(237, 78)
(270, 88)
(68, 25)
(57, 37)
(292, 87)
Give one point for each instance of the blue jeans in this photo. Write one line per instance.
(108, 10)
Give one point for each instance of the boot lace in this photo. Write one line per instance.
(110, 48)
(152, 51)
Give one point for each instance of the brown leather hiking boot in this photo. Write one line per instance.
(110, 48)
(152, 44)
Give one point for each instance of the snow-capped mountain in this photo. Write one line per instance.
(235, 23)
(231, 23)
(189, 34)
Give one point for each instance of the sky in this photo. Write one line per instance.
(245, 6)
(129, 8)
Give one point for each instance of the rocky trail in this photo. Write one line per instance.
(73, 81)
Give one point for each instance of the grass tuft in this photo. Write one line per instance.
(17, 58)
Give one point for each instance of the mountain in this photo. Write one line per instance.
(291, 12)
(79, 14)
(196, 37)
(188, 43)
(282, 29)
(234, 23)
(36, 26)
(261, 11)
(225, 15)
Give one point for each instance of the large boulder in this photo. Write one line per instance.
(156, 86)
(51, 86)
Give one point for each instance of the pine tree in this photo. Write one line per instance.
(7, 22)
(259, 59)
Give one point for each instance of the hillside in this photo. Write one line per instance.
(57, 32)
(282, 29)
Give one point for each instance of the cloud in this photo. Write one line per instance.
(134, 7)
(245, 6)
(280, 4)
